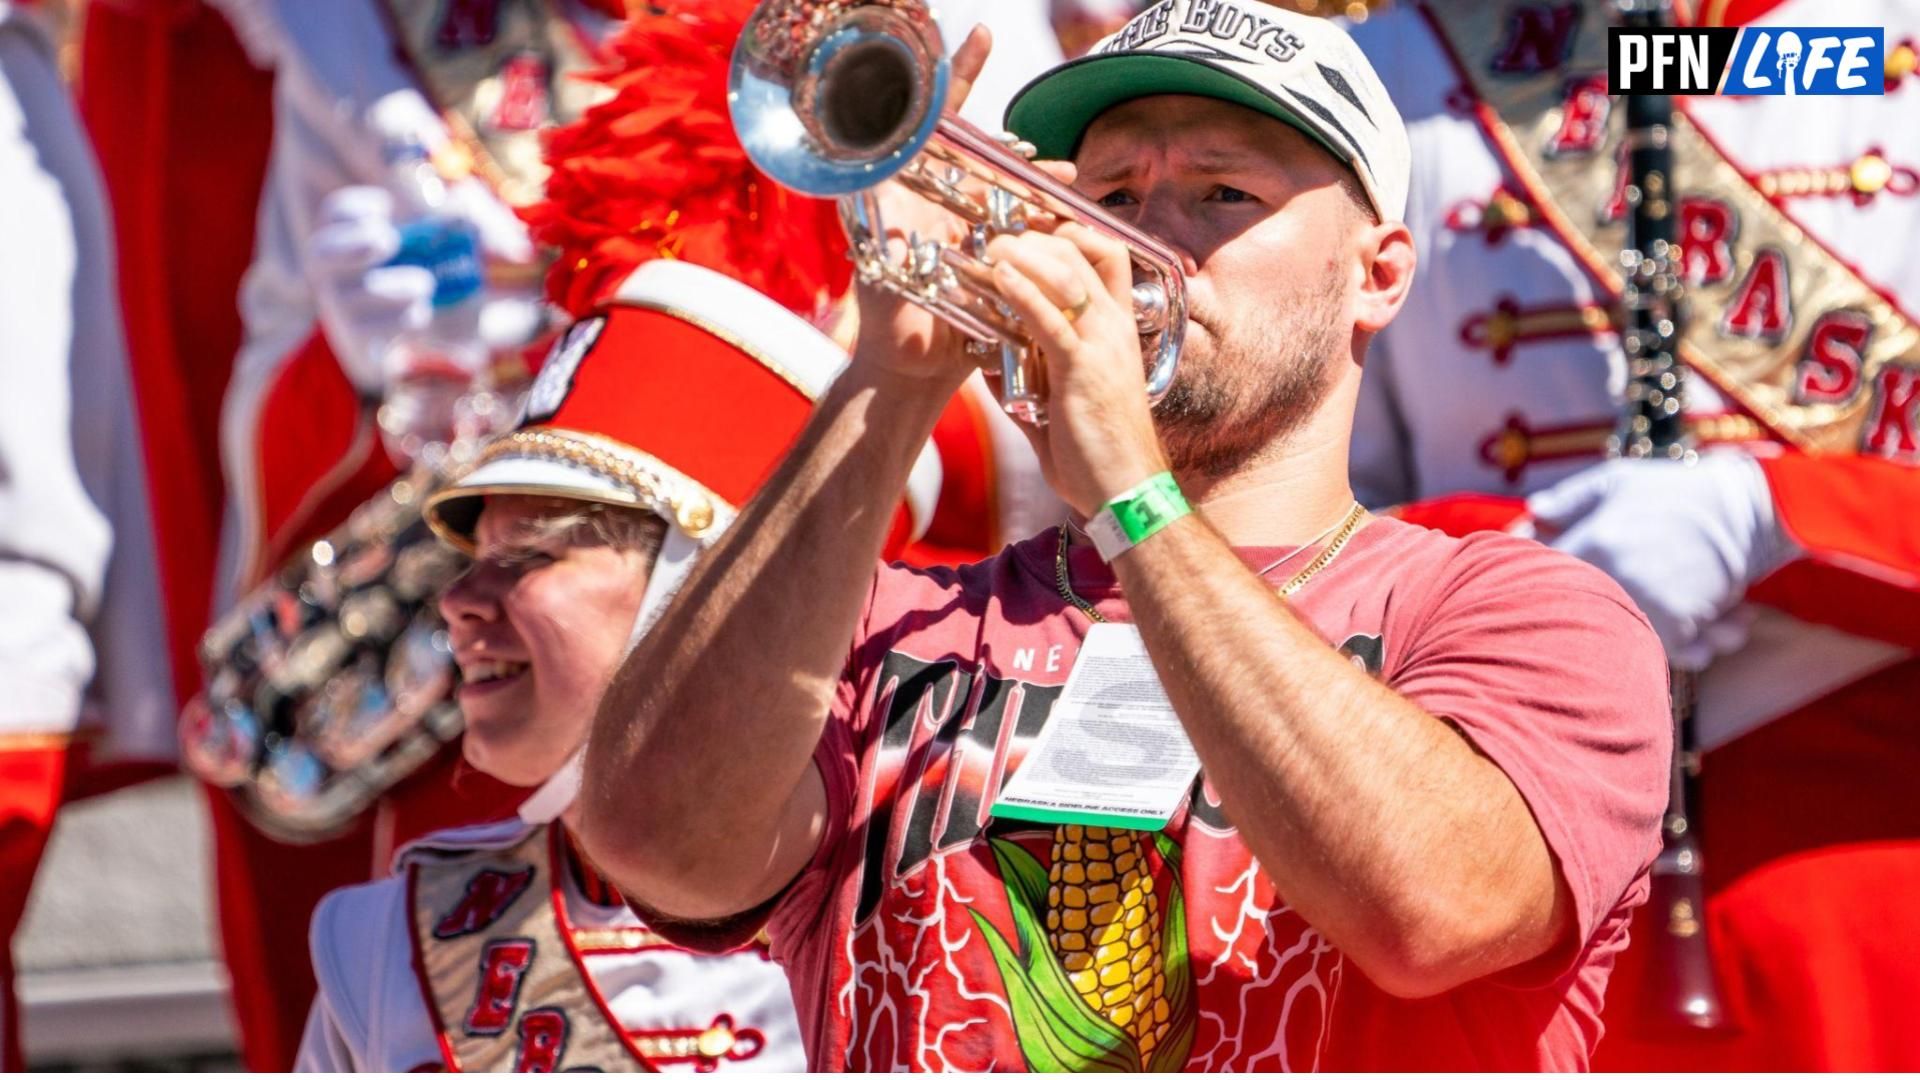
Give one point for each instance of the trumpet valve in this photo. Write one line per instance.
(1149, 307)
(1006, 212)
(924, 265)
(1015, 144)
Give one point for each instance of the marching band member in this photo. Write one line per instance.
(1786, 562)
(78, 584)
(670, 398)
(1313, 788)
(180, 121)
(500, 946)
(471, 84)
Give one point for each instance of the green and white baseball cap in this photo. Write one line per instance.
(1298, 69)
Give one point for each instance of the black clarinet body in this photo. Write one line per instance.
(1686, 994)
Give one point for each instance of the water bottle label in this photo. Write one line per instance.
(449, 248)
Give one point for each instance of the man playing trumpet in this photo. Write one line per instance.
(1414, 814)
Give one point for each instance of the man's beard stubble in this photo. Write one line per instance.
(1257, 386)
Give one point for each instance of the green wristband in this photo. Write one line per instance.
(1136, 514)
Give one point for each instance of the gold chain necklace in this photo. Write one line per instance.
(1320, 562)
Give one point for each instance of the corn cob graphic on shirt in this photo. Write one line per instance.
(1103, 921)
(1104, 935)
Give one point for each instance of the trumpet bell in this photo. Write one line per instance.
(830, 98)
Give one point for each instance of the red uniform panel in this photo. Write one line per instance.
(32, 771)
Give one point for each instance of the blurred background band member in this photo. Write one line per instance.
(647, 428)
(362, 90)
(79, 592)
(1786, 563)
(1425, 815)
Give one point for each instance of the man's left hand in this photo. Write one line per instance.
(1685, 541)
(1073, 288)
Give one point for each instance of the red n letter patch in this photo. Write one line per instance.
(1836, 354)
(1539, 38)
(1761, 307)
(1890, 428)
(543, 1038)
(489, 894)
(502, 965)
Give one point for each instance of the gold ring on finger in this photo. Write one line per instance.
(1074, 312)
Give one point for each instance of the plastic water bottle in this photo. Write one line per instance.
(438, 385)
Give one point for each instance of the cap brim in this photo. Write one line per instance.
(454, 512)
(1054, 111)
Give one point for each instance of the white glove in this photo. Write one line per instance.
(364, 305)
(1684, 541)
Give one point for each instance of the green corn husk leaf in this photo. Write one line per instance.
(1169, 849)
(1058, 1032)
(1052, 1037)
(1026, 879)
(1177, 964)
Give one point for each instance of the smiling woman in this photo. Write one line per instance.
(538, 622)
(581, 525)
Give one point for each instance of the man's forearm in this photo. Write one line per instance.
(1379, 823)
(707, 730)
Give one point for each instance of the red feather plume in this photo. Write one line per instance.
(656, 172)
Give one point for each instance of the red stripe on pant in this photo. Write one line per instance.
(32, 771)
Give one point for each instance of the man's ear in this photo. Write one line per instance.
(1387, 257)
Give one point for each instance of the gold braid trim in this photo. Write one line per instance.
(653, 483)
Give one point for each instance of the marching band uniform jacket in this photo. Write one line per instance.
(1502, 376)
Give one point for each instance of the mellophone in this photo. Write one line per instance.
(333, 680)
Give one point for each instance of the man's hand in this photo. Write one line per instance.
(1685, 541)
(1073, 288)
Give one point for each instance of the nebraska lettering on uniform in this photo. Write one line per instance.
(1893, 429)
(489, 894)
(503, 967)
(543, 1039)
(1829, 373)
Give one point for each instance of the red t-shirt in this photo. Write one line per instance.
(1173, 951)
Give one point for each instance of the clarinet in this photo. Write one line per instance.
(1651, 426)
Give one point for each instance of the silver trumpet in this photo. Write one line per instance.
(833, 97)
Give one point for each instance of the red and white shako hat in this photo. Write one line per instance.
(679, 397)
